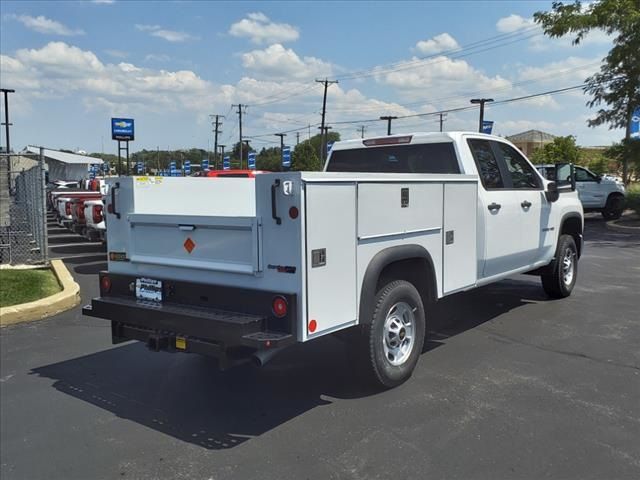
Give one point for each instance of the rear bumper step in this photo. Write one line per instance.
(174, 328)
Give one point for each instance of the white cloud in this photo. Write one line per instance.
(567, 72)
(443, 75)
(540, 42)
(514, 23)
(260, 29)
(437, 44)
(42, 24)
(277, 61)
(103, 2)
(168, 35)
(59, 70)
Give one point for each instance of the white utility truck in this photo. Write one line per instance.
(239, 268)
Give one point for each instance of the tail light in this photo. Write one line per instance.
(105, 284)
(97, 214)
(279, 307)
(67, 208)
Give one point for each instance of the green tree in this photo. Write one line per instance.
(615, 89)
(562, 149)
(269, 159)
(305, 158)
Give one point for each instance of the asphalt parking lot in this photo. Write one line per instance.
(511, 385)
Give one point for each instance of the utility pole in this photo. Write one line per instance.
(281, 135)
(388, 119)
(297, 138)
(443, 117)
(481, 101)
(239, 112)
(216, 132)
(324, 133)
(362, 128)
(6, 92)
(324, 111)
(158, 159)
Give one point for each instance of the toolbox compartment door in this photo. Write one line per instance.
(330, 257)
(227, 244)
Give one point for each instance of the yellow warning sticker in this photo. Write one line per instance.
(181, 343)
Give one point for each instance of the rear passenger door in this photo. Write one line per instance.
(498, 216)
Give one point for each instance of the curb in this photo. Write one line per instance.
(621, 228)
(68, 298)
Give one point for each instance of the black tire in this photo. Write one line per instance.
(394, 295)
(614, 207)
(558, 283)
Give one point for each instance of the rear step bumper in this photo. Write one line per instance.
(229, 336)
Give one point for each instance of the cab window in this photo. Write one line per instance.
(523, 175)
(487, 164)
(583, 175)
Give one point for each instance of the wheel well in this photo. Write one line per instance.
(615, 194)
(573, 226)
(417, 271)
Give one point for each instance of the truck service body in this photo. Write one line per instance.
(241, 267)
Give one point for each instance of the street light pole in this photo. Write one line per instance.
(6, 92)
(388, 119)
(481, 101)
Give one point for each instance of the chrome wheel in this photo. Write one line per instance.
(399, 333)
(568, 266)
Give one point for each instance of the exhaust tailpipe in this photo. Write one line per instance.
(261, 357)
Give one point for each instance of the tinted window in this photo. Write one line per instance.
(422, 158)
(522, 173)
(487, 164)
(583, 175)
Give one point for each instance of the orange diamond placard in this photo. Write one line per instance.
(189, 245)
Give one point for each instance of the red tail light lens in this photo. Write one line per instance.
(97, 214)
(67, 208)
(294, 212)
(279, 307)
(105, 284)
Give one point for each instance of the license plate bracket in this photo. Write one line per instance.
(149, 289)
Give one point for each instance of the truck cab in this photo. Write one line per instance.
(240, 268)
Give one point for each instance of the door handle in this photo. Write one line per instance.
(525, 204)
(494, 206)
(274, 213)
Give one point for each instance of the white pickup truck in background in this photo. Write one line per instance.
(598, 193)
(239, 268)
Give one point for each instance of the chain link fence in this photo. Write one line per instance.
(23, 214)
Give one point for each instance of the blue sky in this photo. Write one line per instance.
(171, 64)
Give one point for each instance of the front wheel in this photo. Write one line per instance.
(564, 269)
(395, 335)
(614, 207)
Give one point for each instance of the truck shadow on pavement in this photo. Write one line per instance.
(187, 397)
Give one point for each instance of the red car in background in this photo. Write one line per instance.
(234, 173)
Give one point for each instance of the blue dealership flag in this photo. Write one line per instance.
(252, 160)
(205, 164)
(286, 157)
(140, 168)
(487, 126)
(634, 127)
(187, 167)
(226, 163)
(329, 147)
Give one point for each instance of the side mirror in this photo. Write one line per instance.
(565, 181)
(565, 177)
(552, 192)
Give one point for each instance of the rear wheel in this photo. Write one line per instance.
(394, 338)
(564, 270)
(614, 207)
